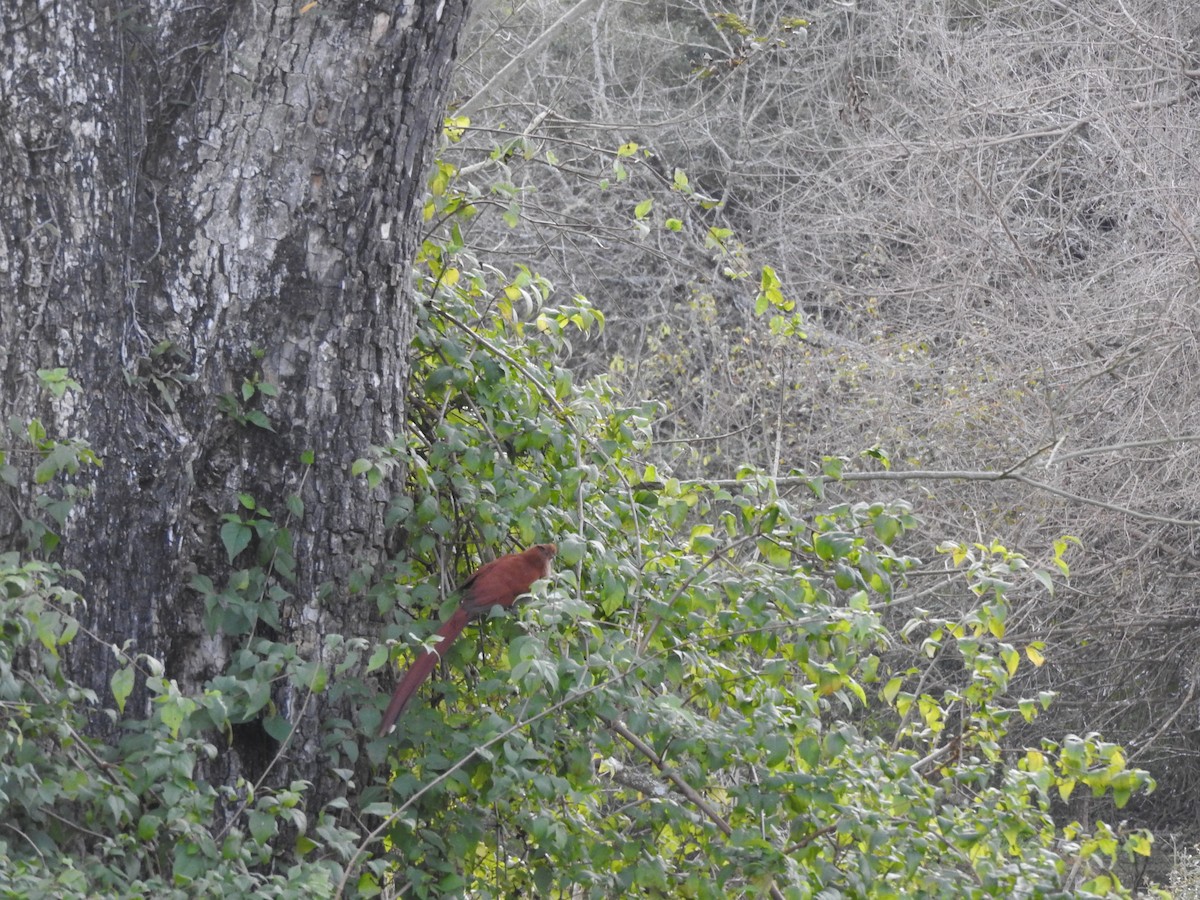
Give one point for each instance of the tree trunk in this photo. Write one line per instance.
(199, 199)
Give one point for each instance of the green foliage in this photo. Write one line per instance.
(771, 297)
(86, 818)
(253, 594)
(704, 701)
(748, 41)
(240, 406)
(57, 381)
(33, 461)
(701, 702)
(134, 817)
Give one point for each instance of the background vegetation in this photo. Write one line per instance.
(981, 213)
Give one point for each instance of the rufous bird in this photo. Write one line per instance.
(498, 583)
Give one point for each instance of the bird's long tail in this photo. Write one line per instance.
(421, 669)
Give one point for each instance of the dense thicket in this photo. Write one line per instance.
(986, 214)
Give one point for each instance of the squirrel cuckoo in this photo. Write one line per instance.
(498, 583)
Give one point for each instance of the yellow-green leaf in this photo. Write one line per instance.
(892, 688)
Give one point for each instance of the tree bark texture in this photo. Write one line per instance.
(194, 196)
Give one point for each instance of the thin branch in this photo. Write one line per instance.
(1129, 445)
(987, 198)
(1185, 703)
(702, 437)
(528, 52)
(959, 475)
(672, 776)
(680, 784)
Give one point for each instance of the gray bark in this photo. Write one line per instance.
(239, 179)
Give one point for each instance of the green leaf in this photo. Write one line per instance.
(1012, 659)
(810, 751)
(259, 418)
(887, 528)
(1140, 843)
(45, 472)
(312, 675)
(778, 749)
(172, 714)
(892, 688)
(1028, 709)
(833, 544)
(379, 657)
(262, 826)
(277, 727)
(236, 537)
(702, 542)
(831, 466)
(775, 554)
(148, 826)
(122, 685)
(612, 594)
(571, 550)
(512, 215)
